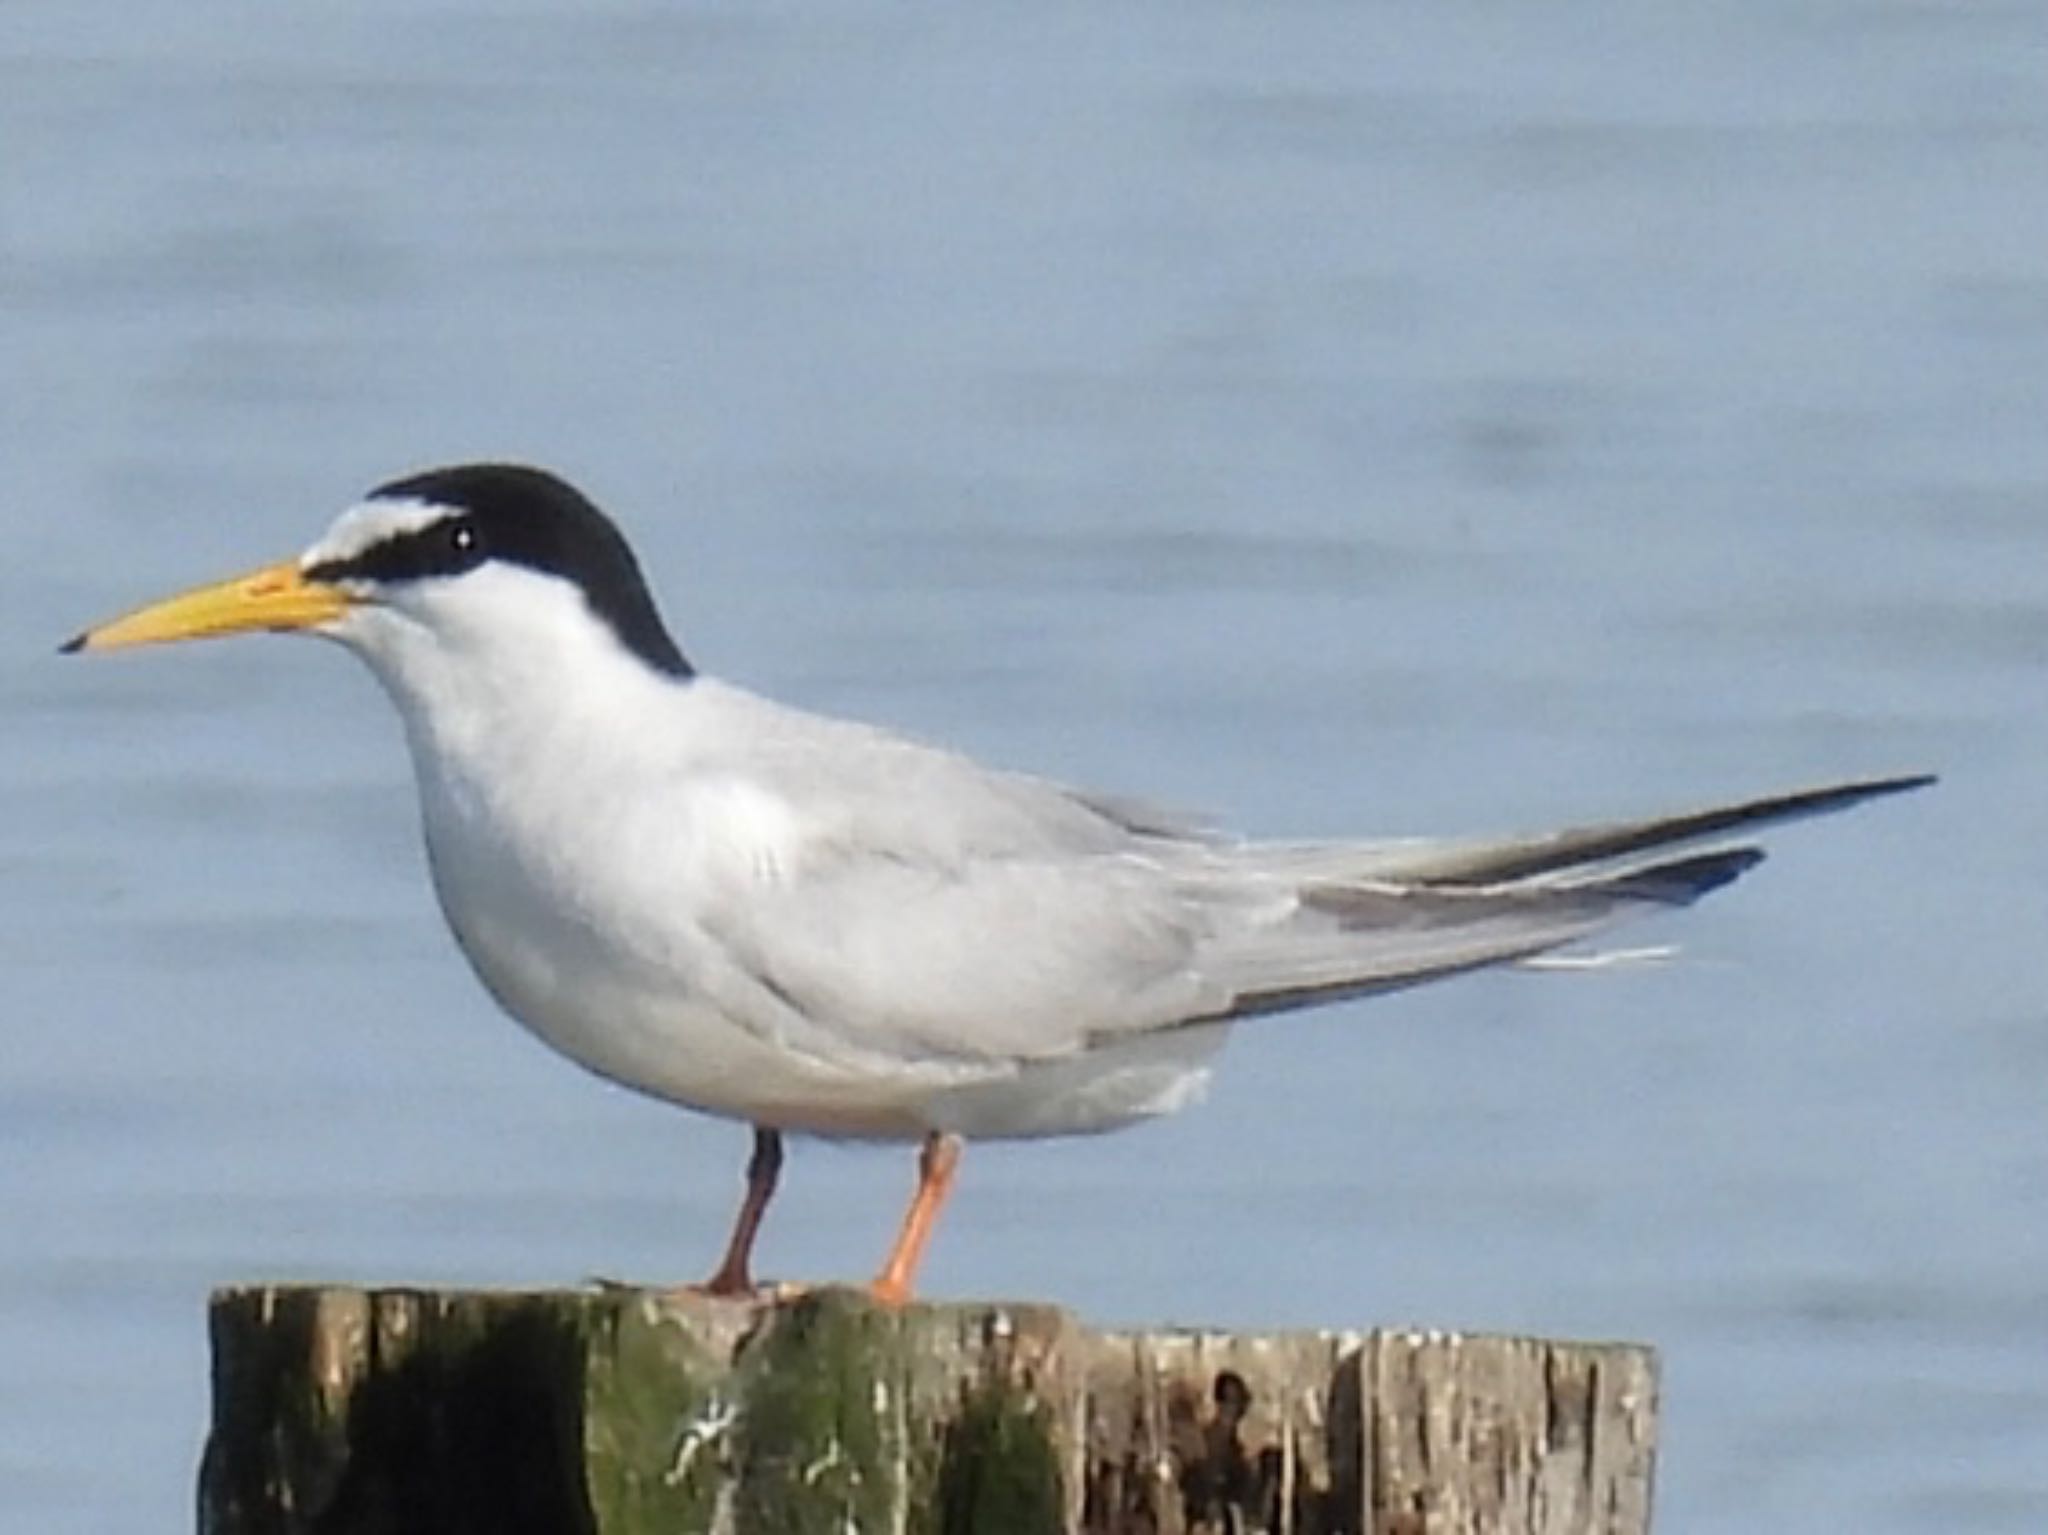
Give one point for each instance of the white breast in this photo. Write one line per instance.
(611, 867)
(587, 934)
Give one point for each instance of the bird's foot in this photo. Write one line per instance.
(731, 1282)
(889, 1292)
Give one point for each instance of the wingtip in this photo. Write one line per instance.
(1904, 783)
(1841, 796)
(72, 646)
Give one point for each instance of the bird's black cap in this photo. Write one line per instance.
(522, 516)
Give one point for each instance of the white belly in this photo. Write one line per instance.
(589, 917)
(644, 1014)
(659, 1028)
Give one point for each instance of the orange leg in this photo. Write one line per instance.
(936, 1166)
(734, 1276)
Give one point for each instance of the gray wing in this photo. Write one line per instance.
(1032, 959)
(937, 910)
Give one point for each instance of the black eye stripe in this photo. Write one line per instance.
(446, 547)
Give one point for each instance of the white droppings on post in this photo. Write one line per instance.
(698, 1434)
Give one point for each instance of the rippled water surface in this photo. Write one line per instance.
(1347, 418)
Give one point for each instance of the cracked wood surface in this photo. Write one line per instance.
(612, 1411)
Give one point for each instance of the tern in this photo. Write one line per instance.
(816, 926)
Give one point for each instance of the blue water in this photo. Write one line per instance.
(1344, 418)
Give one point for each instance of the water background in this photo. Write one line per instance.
(1344, 418)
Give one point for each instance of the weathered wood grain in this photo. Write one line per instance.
(620, 1412)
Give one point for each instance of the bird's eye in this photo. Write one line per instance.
(462, 537)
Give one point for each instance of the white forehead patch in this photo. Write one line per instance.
(371, 522)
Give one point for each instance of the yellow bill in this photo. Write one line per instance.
(277, 597)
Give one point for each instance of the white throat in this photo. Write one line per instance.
(502, 675)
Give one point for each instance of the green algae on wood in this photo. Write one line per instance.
(997, 1470)
(655, 1415)
(816, 1451)
(621, 1412)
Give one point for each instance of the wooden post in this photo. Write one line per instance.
(624, 1412)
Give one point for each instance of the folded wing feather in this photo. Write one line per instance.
(1028, 955)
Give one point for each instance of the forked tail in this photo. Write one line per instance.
(1376, 917)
